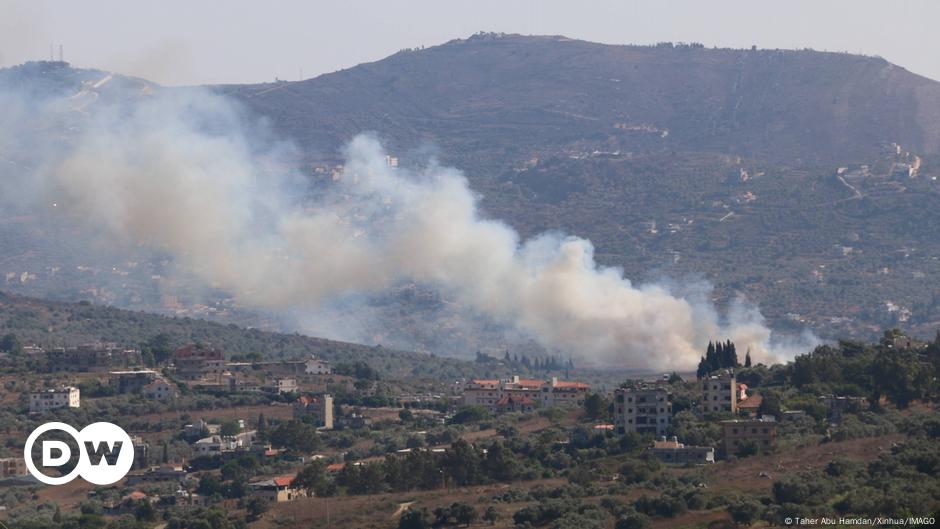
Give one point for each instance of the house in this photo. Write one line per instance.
(159, 389)
(11, 467)
(762, 433)
(317, 366)
(159, 473)
(645, 409)
(750, 405)
(282, 385)
(520, 403)
(193, 362)
(720, 393)
(220, 444)
(52, 399)
(131, 381)
(319, 410)
(353, 421)
(482, 392)
(673, 452)
(278, 489)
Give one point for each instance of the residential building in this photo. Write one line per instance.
(520, 403)
(196, 361)
(673, 452)
(159, 473)
(645, 409)
(132, 381)
(91, 357)
(761, 432)
(317, 409)
(11, 467)
(279, 489)
(282, 385)
(52, 399)
(545, 393)
(159, 389)
(220, 444)
(317, 366)
(719, 392)
(563, 393)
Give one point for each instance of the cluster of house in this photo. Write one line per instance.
(648, 409)
(522, 394)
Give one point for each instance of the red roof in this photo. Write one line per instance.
(136, 495)
(284, 481)
(484, 382)
(335, 467)
(529, 382)
(515, 399)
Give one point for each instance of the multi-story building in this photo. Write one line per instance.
(52, 399)
(131, 381)
(91, 357)
(318, 409)
(194, 362)
(719, 392)
(317, 366)
(761, 432)
(563, 393)
(11, 467)
(545, 393)
(279, 489)
(645, 409)
(673, 452)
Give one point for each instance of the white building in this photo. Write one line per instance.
(316, 366)
(159, 389)
(51, 399)
(720, 392)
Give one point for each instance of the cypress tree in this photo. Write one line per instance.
(747, 358)
(711, 358)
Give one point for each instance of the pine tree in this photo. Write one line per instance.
(732, 355)
(702, 369)
(721, 355)
(711, 358)
(507, 358)
(747, 358)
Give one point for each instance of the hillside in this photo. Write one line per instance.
(53, 324)
(802, 180)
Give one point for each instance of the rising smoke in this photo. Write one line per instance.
(186, 173)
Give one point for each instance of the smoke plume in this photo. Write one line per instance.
(187, 173)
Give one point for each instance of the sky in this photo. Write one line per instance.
(177, 42)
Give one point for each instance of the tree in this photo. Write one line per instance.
(744, 511)
(166, 453)
(256, 507)
(144, 512)
(295, 435)
(10, 344)
(595, 406)
(632, 520)
(229, 428)
(464, 513)
(747, 358)
(313, 479)
(262, 425)
(415, 519)
(491, 515)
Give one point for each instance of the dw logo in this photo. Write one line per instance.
(105, 453)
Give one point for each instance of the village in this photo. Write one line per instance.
(275, 419)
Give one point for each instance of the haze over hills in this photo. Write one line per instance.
(801, 180)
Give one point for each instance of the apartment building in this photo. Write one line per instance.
(488, 393)
(317, 409)
(719, 392)
(53, 399)
(645, 409)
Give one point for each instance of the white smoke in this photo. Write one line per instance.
(184, 172)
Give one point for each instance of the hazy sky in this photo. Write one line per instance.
(189, 42)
